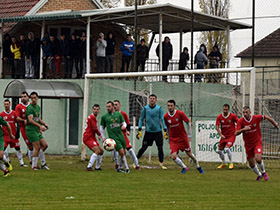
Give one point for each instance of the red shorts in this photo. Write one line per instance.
(182, 145)
(12, 142)
(228, 142)
(127, 142)
(23, 134)
(251, 151)
(90, 142)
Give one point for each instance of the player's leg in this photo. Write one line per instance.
(159, 142)
(145, 144)
(99, 159)
(229, 144)
(195, 161)
(255, 168)
(2, 157)
(220, 151)
(123, 161)
(94, 157)
(6, 144)
(36, 148)
(43, 147)
(6, 153)
(133, 157)
(258, 157)
(177, 160)
(115, 158)
(28, 143)
(19, 156)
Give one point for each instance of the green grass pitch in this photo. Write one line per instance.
(68, 186)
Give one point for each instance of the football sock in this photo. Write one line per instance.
(133, 156)
(42, 157)
(256, 170)
(115, 156)
(92, 160)
(229, 154)
(19, 156)
(5, 160)
(222, 156)
(7, 155)
(195, 161)
(2, 167)
(124, 162)
(180, 162)
(262, 166)
(98, 162)
(34, 162)
(30, 154)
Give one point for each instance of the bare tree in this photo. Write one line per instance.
(218, 8)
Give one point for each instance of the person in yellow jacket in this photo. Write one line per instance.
(15, 49)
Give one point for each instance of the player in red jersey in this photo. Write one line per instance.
(225, 125)
(9, 115)
(89, 139)
(126, 132)
(21, 118)
(249, 125)
(178, 137)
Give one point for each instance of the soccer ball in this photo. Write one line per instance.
(109, 144)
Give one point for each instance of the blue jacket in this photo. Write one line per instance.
(125, 52)
(153, 118)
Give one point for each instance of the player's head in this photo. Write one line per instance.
(246, 112)
(34, 97)
(95, 109)
(117, 105)
(226, 108)
(7, 105)
(110, 106)
(24, 97)
(171, 104)
(152, 100)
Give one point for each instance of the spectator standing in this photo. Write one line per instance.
(32, 56)
(167, 52)
(214, 57)
(22, 52)
(101, 45)
(142, 54)
(64, 46)
(110, 50)
(83, 54)
(200, 59)
(47, 58)
(56, 52)
(74, 55)
(15, 49)
(7, 54)
(127, 49)
(184, 57)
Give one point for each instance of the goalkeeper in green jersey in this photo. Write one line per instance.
(115, 123)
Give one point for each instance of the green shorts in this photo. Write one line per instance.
(120, 144)
(1, 143)
(33, 136)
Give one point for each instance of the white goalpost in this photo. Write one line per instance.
(129, 83)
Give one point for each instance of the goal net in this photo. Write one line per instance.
(202, 102)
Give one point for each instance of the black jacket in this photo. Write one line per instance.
(142, 52)
(167, 50)
(183, 60)
(110, 49)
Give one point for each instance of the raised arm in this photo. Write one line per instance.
(273, 122)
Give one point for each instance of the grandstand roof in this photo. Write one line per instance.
(269, 46)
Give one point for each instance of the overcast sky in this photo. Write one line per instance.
(240, 39)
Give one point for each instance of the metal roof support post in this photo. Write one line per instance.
(1, 50)
(228, 47)
(88, 46)
(160, 41)
(41, 57)
(181, 42)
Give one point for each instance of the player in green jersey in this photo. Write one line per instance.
(115, 123)
(34, 128)
(2, 156)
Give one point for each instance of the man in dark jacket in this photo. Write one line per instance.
(214, 57)
(142, 55)
(184, 57)
(110, 50)
(167, 52)
(56, 51)
(32, 56)
(7, 53)
(74, 55)
(64, 46)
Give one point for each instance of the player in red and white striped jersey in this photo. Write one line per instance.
(9, 115)
(225, 125)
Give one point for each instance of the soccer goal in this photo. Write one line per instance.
(201, 101)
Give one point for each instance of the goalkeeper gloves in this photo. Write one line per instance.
(139, 135)
(165, 135)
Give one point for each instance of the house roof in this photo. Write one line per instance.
(10, 8)
(269, 46)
